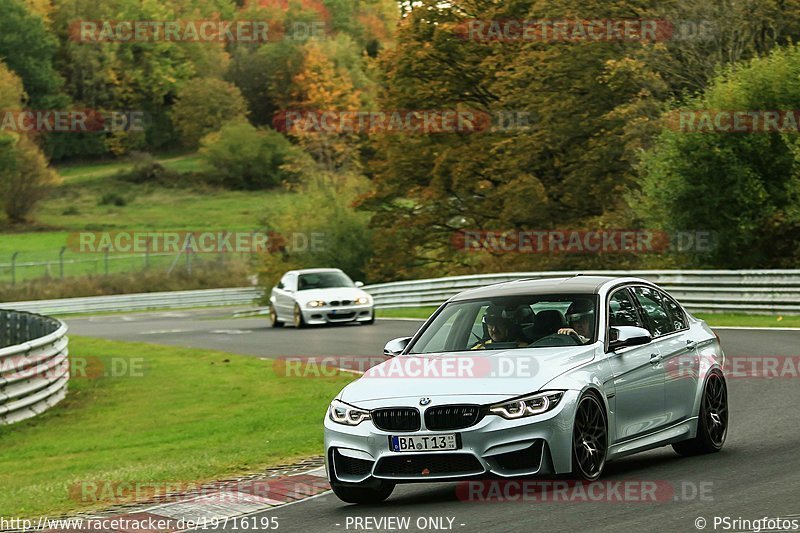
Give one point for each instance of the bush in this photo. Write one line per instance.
(112, 198)
(249, 158)
(323, 206)
(203, 106)
(25, 177)
(147, 170)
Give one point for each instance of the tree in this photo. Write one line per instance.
(203, 106)
(744, 187)
(28, 48)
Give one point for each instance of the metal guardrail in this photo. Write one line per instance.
(732, 291)
(742, 291)
(140, 302)
(34, 364)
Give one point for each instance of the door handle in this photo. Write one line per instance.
(655, 358)
(689, 343)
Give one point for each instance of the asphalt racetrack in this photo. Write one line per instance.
(755, 476)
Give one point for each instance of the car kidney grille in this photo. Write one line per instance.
(429, 464)
(452, 417)
(396, 419)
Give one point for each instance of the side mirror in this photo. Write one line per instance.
(624, 336)
(396, 346)
(359, 284)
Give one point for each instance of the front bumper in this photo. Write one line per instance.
(328, 314)
(537, 445)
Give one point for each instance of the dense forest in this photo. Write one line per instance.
(567, 133)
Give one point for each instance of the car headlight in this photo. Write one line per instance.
(535, 404)
(362, 300)
(342, 413)
(315, 303)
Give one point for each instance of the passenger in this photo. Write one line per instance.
(500, 326)
(580, 316)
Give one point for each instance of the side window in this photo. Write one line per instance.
(679, 321)
(658, 319)
(282, 283)
(622, 311)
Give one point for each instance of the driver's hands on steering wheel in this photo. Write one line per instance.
(571, 332)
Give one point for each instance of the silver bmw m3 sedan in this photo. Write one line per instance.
(530, 378)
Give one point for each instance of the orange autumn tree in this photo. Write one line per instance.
(327, 83)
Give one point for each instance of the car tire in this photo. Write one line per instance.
(299, 321)
(363, 494)
(589, 439)
(712, 424)
(273, 318)
(370, 321)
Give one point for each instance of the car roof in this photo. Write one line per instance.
(571, 285)
(313, 270)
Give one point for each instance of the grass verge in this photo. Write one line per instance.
(182, 415)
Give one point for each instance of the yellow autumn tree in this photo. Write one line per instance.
(325, 84)
(25, 176)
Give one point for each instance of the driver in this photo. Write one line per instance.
(580, 316)
(500, 326)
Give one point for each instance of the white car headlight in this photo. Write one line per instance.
(315, 303)
(362, 300)
(535, 404)
(343, 413)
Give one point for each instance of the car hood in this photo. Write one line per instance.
(503, 374)
(326, 295)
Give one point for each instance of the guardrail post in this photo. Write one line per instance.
(14, 268)
(61, 261)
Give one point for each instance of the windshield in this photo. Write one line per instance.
(532, 321)
(323, 280)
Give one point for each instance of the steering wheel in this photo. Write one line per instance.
(574, 335)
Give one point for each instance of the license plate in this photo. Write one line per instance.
(423, 443)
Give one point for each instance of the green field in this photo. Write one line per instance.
(188, 416)
(75, 206)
